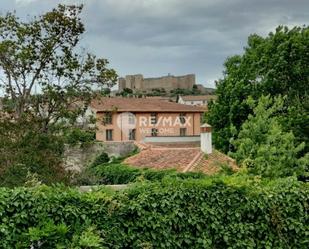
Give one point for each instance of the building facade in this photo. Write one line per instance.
(125, 119)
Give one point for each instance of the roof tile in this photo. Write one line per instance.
(141, 105)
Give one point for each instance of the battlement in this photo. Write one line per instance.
(170, 82)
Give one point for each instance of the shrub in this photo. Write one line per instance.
(101, 159)
(229, 212)
(77, 135)
(116, 174)
(263, 146)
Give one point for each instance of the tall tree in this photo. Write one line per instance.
(45, 71)
(277, 65)
(47, 81)
(264, 147)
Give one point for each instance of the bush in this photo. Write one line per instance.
(25, 151)
(228, 212)
(101, 159)
(77, 135)
(116, 174)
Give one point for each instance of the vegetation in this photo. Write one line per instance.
(48, 81)
(105, 170)
(24, 151)
(102, 158)
(180, 91)
(230, 212)
(75, 136)
(275, 65)
(264, 147)
(126, 92)
(123, 174)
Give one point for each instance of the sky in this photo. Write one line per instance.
(158, 37)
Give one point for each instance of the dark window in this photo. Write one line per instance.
(153, 118)
(183, 132)
(109, 135)
(182, 117)
(154, 132)
(132, 134)
(108, 118)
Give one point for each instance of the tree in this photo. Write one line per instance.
(45, 72)
(126, 92)
(105, 92)
(277, 65)
(195, 90)
(263, 146)
(48, 81)
(24, 152)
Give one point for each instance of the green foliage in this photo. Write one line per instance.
(181, 91)
(102, 158)
(48, 82)
(44, 53)
(263, 147)
(105, 92)
(125, 92)
(225, 212)
(76, 136)
(277, 65)
(157, 92)
(117, 173)
(23, 151)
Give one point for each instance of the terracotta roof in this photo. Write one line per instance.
(163, 158)
(141, 105)
(181, 159)
(198, 97)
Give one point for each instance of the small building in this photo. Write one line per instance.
(138, 119)
(196, 100)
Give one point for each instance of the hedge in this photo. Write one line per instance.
(213, 213)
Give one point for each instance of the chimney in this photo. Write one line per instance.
(206, 143)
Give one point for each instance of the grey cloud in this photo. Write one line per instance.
(156, 37)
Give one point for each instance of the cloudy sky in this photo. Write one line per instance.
(157, 37)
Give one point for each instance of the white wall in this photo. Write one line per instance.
(206, 143)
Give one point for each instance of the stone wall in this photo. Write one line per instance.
(170, 82)
(77, 157)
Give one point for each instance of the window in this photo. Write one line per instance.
(131, 119)
(182, 118)
(109, 135)
(183, 132)
(108, 118)
(132, 133)
(153, 118)
(201, 119)
(154, 132)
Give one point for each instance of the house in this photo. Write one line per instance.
(196, 100)
(202, 158)
(143, 119)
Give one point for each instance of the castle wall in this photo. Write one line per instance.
(138, 83)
